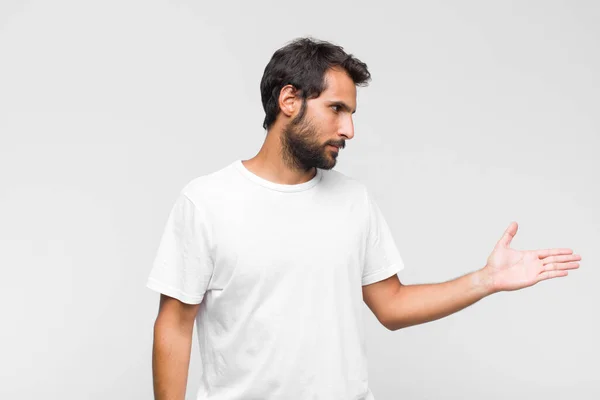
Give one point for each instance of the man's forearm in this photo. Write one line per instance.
(417, 304)
(170, 360)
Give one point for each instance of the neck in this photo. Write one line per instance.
(271, 164)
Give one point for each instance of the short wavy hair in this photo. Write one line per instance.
(302, 63)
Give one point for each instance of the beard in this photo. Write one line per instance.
(301, 149)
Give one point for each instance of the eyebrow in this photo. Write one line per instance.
(345, 106)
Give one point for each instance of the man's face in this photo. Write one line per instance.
(307, 142)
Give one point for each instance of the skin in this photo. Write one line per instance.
(172, 344)
(399, 306)
(293, 148)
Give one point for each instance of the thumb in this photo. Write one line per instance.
(509, 234)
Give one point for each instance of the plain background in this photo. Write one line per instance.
(479, 113)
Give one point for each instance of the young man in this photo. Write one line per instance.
(273, 256)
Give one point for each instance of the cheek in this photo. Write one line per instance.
(329, 122)
(324, 125)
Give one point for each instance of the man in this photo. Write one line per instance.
(273, 256)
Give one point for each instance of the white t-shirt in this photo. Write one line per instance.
(278, 270)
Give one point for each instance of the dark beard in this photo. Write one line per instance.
(300, 148)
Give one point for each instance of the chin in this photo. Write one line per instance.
(328, 164)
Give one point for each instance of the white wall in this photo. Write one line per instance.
(479, 113)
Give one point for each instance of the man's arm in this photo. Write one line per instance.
(173, 331)
(399, 306)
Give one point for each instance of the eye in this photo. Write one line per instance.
(336, 108)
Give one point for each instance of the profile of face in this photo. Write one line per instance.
(314, 139)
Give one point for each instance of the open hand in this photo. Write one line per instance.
(510, 269)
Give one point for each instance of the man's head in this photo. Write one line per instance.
(308, 93)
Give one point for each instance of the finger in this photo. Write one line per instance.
(551, 274)
(552, 252)
(567, 258)
(561, 266)
(509, 234)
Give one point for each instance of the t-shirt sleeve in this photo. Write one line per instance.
(183, 266)
(382, 258)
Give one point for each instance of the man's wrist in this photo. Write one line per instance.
(484, 281)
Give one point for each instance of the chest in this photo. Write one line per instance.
(285, 241)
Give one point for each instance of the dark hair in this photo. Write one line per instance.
(303, 63)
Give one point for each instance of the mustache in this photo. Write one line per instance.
(341, 145)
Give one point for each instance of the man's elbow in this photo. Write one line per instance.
(392, 327)
(391, 324)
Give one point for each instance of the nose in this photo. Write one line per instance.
(347, 128)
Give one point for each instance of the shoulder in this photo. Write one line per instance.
(342, 181)
(210, 186)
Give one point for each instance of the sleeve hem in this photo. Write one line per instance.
(382, 274)
(173, 292)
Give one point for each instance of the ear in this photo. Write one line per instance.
(289, 101)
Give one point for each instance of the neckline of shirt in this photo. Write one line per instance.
(277, 186)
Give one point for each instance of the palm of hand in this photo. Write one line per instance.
(511, 269)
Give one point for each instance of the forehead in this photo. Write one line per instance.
(339, 87)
